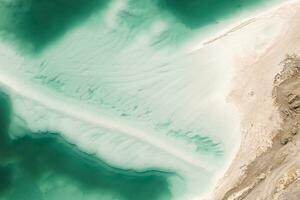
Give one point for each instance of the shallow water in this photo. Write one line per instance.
(34, 24)
(109, 102)
(47, 167)
(197, 13)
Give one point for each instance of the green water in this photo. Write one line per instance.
(34, 24)
(68, 47)
(47, 167)
(197, 13)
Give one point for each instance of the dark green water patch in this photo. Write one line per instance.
(36, 23)
(6, 177)
(5, 117)
(197, 13)
(43, 158)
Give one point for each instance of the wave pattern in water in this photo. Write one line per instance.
(45, 166)
(117, 80)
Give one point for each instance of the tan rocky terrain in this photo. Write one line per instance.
(266, 91)
(275, 174)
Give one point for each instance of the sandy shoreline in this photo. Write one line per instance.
(252, 91)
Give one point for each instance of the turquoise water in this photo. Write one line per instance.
(197, 13)
(106, 102)
(33, 25)
(47, 167)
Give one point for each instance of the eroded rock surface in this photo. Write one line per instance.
(275, 175)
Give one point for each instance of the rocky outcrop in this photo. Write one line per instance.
(275, 174)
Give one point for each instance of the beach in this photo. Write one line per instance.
(260, 117)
